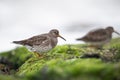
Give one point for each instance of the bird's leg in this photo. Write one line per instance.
(37, 54)
(96, 46)
(91, 46)
(100, 47)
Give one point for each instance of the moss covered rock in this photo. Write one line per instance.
(65, 62)
(15, 58)
(9, 77)
(71, 69)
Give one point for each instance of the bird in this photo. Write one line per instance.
(99, 37)
(42, 43)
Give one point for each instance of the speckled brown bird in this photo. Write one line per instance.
(97, 38)
(41, 43)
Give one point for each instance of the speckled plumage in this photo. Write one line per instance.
(41, 43)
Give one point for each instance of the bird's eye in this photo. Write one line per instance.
(56, 32)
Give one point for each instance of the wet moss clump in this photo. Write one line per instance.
(71, 69)
(9, 77)
(13, 59)
(89, 69)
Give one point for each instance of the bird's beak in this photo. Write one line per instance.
(117, 32)
(61, 37)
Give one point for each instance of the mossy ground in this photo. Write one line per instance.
(65, 63)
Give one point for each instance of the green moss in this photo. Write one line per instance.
(114, 42)
(9, 77)
(33, 64)
(76, 69)
(17, 56)
(64, 63)
(66, 52)
(113, 53)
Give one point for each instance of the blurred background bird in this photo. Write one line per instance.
(97, 38)
(41, 43)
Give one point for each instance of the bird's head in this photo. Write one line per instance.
(111, 30)
(55, 33)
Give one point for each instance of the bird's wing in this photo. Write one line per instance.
(35, 40)
(96, 35)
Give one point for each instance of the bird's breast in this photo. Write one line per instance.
(54, 42)
(42, 49)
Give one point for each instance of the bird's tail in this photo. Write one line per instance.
(79, 39)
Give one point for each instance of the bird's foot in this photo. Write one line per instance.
(95, 47)
(38, 55)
